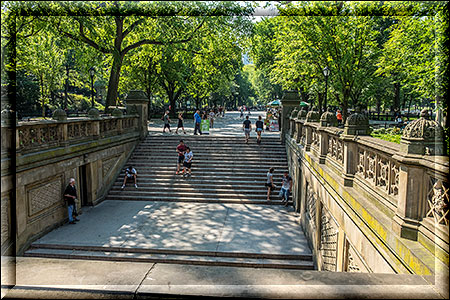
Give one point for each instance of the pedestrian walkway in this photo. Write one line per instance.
(229, 125)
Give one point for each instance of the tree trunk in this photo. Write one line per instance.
(113, 84)
(409, 106)
(396, 105)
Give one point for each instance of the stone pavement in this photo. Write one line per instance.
(185, 226)
(39, 278)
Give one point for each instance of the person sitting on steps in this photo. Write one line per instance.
(130, 173)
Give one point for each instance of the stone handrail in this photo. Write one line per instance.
(413, 187)
(37, 135)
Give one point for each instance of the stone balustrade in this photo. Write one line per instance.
(31, 136)
(400, 191)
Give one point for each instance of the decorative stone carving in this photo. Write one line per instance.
(109, 163)
(5, 233)
(356, 124)
(59, 114)
(311, 202)
(294, 113)
(44, 196)
(8, 117)
(301, 115)
(117, 112)
(93, 113)
(312, 116)
(328, 118)
(336, 148)
(422, 136)
(438, 199)
(328, 241)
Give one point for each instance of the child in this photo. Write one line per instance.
(188, 156)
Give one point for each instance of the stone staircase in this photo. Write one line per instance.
(224, 170)
(225, 193)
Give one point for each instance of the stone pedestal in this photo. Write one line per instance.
(290, 100)
(137, 102)
(409, 207)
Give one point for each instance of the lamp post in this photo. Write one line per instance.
(326, 73)
(91, 73)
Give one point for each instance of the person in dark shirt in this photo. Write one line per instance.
(70, 195)
(247, 126)
(259, 128)
(181, 148)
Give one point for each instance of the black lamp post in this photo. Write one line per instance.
(91, 73)
(326, 73)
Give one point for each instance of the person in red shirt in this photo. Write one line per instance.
(181, 148)
(339, 117)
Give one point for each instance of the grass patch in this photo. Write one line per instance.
(388, 134)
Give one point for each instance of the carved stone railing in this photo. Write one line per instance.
(33, 136)
(376, 168)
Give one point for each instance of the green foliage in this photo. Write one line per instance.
(392, 134)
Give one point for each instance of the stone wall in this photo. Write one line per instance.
(366, 205)
(48, 154)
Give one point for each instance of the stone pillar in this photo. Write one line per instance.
(356, 124)
(289, 101)
(301, 115)
(311, 117)
(137, 102)
(292, 117)
(422, 137)
(323, 146)
(119, 115)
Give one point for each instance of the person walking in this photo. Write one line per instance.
(242, 112)
(259, 129)
(180, 123)
(211, 118)
(197, 121)
(188, 156)
(181, 148)
(269, 183)
(286, 188)
(130, 173)
(70, 195)
(166, 121)
(247, 127)
(339, 117)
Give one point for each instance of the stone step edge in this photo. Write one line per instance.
(195, 200)
(280, 256)
(303, 265)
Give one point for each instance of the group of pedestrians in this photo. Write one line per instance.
(207, 114)
(185, 157)
(286, 186)
(247, 128)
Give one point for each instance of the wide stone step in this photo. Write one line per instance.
(213, 172)
(250, 185)
(187, 193)
(303, 262)
(177, 190)
(125, 196)
(177, 180)
(206, 165)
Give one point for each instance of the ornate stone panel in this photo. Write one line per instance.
(44, 195)
(108, 164)
(354, 263)
(336, 148)
(315, 138)
(328, 241)
(5, 219)
(438, 199)
(311, 200)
